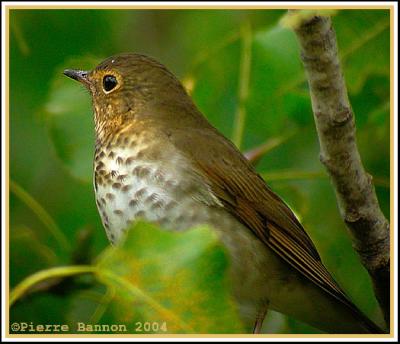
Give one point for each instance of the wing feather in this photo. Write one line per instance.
(247, 197)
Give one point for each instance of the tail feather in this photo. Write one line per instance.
(366, 323)
(370, 326)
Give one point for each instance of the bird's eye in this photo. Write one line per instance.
(109, 82)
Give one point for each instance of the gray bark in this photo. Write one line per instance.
(336, 129)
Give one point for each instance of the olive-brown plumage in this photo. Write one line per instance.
(158, 158)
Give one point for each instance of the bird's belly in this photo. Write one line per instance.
(248, 264)
(126, 192)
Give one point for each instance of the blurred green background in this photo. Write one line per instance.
(52, 207)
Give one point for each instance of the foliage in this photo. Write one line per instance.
(178, 284)
(51, 148)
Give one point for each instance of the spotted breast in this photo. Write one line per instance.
(133, 181)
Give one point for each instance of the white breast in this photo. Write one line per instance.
(129, 186)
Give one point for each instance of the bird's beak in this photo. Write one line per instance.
(79, 75)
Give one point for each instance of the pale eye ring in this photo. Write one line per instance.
(109, 83)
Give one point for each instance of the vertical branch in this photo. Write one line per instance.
(335, 126)
(244, 79)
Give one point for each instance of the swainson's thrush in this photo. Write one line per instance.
(158, 158)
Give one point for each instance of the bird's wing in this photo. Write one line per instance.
(247, 197)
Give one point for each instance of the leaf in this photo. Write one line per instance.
(179, 278)
(371, 105)
(28, 246)
(70, 120)
(364, 45)
(274, 98)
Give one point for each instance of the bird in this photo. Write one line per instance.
(157, 158)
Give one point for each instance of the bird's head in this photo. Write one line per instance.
(127, 86)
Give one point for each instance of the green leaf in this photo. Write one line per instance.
(27, 245)
(275, 103)
(364, 45)
(179, 278)
(70, 120)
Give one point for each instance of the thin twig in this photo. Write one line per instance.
(255, 154)
(244, 80)
(53, 273)
(205, 54)
(292, 175)
(104, 302)
(281, 175)
(363, 39)
(19, 37)
(42, 214)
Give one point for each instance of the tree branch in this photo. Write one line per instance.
(335, 125)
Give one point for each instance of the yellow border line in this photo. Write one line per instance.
(7, 167)
(194, 7)
(392, 95)
(257, 336)
(208, 7)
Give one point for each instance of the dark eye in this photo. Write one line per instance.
(109, 82)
